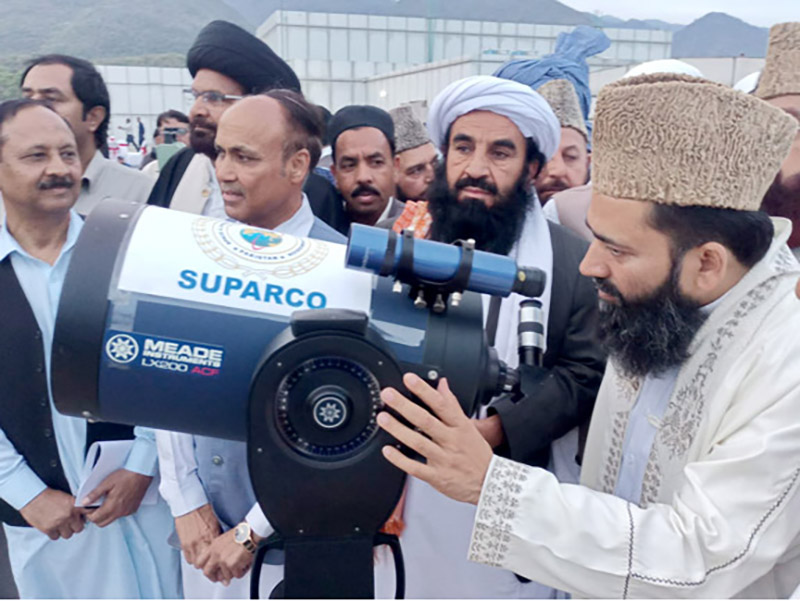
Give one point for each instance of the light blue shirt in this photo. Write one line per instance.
(128, 558)
(42, 284)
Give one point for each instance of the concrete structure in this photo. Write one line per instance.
(144, 92)
(337, 56)
(387, 61)
(421, 84)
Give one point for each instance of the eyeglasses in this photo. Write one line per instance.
(211, 96)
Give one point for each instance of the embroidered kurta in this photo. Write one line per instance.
(718, 511)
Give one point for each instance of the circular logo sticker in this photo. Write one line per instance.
(330, 412)
(257, 252)
(122, 348)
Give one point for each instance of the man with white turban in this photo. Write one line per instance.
(495, 136)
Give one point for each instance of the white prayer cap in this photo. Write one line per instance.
(748, 84)
(525, 108)
(667, 65)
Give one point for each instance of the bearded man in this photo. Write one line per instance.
(495, 135)
(691, 484)
(780, 86)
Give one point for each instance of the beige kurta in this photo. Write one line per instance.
(720, 509)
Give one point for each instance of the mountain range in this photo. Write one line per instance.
(164, 29)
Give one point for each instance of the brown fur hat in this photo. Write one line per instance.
(681, 140)
(781, 75)
(563, 99)
(409, 132)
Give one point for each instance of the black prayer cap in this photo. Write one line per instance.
(228, 49)
(354, 116)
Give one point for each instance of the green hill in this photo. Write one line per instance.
(102, 30)
(108, 28)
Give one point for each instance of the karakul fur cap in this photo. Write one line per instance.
(781, 74)
(681, 140)
(409, 132)
(563, 99)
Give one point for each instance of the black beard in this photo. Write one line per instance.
(495, 229)
(783, 200)
(649, 335)
(203, 140)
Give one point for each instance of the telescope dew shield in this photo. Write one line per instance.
(164, 317)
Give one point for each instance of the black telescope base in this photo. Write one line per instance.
(328, 568)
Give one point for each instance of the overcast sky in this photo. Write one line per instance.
(757, 12)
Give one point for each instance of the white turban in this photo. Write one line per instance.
(524, 107)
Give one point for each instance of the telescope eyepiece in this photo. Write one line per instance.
(530, 282)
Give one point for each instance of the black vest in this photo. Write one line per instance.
(24, 403)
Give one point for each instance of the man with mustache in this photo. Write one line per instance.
(265, 147)
(569, 167)
(780, 86)
(363, 149)
(495, 135)
(690, 482)
(59, 548)
(78, 93)
(416, 158)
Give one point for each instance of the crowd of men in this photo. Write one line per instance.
(659, 455)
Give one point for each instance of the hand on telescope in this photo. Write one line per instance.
(491, 428)
(196, 531)
(123, 490)
(54, 513)
(225, 559)
(457, 455)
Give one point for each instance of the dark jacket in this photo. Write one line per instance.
(25, 412)
(574, 363)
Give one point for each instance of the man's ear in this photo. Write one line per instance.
(397, 171)
(534, 169)
(297, 168)
(704, 270)
(95, 117)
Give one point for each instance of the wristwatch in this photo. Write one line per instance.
(243, 535)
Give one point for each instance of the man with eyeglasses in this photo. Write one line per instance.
(227, 63)
(77, 92)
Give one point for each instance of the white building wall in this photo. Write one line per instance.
(420, 85)
(144, 92)
(334, 53)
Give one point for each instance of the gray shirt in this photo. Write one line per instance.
(104, 178)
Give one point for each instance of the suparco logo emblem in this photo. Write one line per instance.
(122, 348)
(256, 252)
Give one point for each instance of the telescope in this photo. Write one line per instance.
(186, 323)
